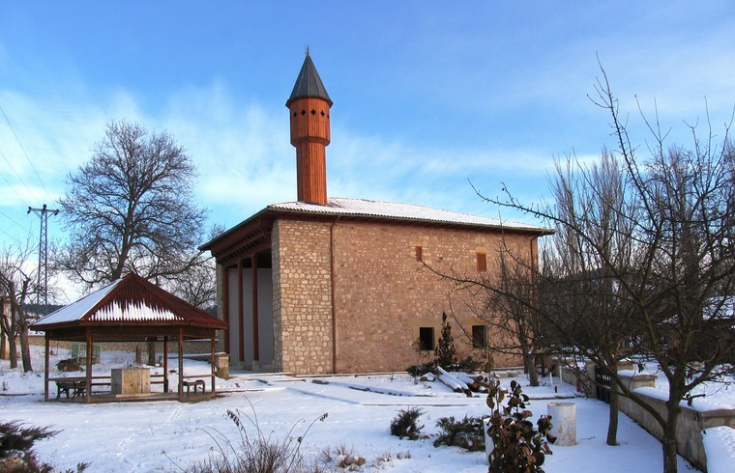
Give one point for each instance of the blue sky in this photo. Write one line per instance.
(426, 94)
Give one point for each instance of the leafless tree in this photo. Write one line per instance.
(648, 258)
(16, 287)
(511, 310)
(130, 209)
(580, 294)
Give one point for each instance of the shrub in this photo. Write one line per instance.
(16, 449)
(467, 433)
(466, 365)
(256, 453)
(517, 445)
(405, 424)
(445, 353)
(422, 369)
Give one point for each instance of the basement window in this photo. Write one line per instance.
(481, 262)
(479, 336)
(426, 338)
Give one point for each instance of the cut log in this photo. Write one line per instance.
(452, 382)
(477, 383)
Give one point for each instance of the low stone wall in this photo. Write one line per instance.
(190, 346)
(691, 420)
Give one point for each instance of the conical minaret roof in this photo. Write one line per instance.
(308, 84)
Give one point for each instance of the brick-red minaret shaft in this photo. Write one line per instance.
(309, 107)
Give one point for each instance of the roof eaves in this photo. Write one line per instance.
(333, 213)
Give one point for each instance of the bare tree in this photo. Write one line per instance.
(511, 309)
(650, 262)
(130, 210)
(579, 280)
(16, 287)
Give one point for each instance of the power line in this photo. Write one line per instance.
(23, 149)
(14, 221)
(11, 186)
(17, 175)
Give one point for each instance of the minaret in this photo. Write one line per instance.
(309, 106)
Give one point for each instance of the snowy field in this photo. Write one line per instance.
(157, 436)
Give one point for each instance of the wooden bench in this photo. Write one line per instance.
(199, 383)
(77, 388)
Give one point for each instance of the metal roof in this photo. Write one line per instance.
(308, 84)
(362, 208)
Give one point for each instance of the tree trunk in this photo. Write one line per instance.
(7, 335)
(668, 444)
(7, 326)
(21, 324)
(151, 353)
(12, 351)
(531, 370)
(612, 423)
(25, 349)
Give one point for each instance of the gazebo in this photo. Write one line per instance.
(130, 309)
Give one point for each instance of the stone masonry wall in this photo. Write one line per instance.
(383, 295)
(302, 297)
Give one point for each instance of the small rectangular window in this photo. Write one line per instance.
(426, 337)
(479, 336)
(419, 253)
(481, 262)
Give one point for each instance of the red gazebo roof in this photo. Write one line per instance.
(129, 303)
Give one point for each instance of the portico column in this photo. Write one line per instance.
(256, 344)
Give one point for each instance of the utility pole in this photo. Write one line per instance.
(43, 213)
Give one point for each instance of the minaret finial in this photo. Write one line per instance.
(307, 49)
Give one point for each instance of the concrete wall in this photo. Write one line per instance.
(190, 347)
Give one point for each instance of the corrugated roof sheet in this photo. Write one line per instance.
(408, 212)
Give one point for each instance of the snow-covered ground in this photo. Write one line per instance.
(158, 436)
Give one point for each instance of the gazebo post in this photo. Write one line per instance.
(165, 364)
(88, 388)
(181, 363)
(212, 360)
(45, 369)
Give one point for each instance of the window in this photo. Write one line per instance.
(419, 253)
(479, 336)
(426, 337)
(481, 262)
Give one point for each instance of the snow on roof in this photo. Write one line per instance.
(376, 209)
(77, 310)
(131, 299)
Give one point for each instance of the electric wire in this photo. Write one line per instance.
(11, 186)
(14, 221)
(16, 175)
(7, 120)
